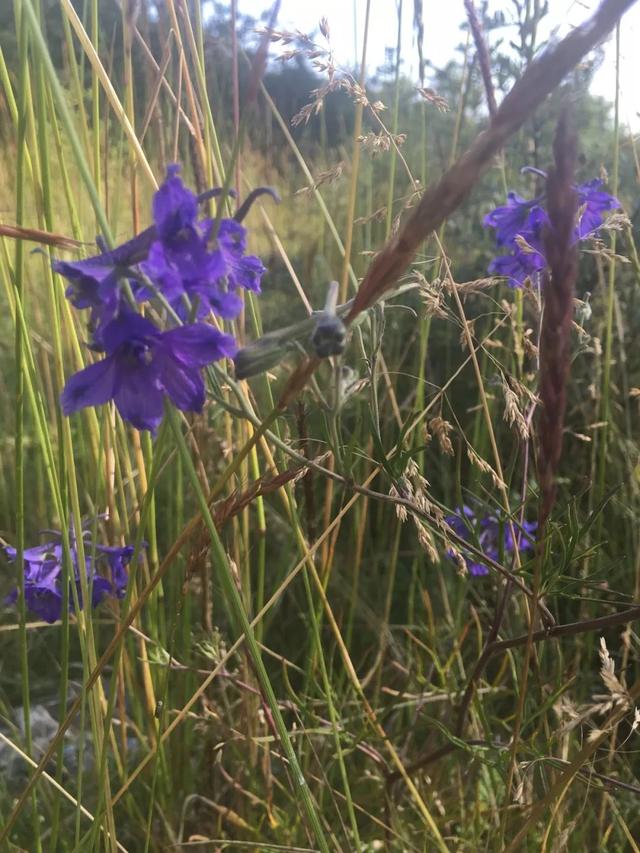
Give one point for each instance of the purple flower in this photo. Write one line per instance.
(175, 208)
(592, 205)
(196, 268)
(174, 253)
(518, 267)
(186, 268)
(118, 559)
(43, 576)
(142, 365)
(94, 283)
(510, 219)
(182, 263)
(519, 227)
(525, 533)
(241, 271)
(42, 569)
(484, 534)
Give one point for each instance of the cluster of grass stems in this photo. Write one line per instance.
(288, 668)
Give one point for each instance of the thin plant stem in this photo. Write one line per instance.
(240, 618)
(355, 162)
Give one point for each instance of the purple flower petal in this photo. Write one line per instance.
(185, 388)
(181, 354)
(126, 327)
(248, 273)
(513, 267)
(162, 273)
(232, 238)
(44, 601)
(241, 271)
(509, 219)
(524, 234)
(199, 344)
(85, 276)
(139, 397)
(525, 536)
(487, 536)
(143, 364)
(92, 386)
(100, 589)
(222, 302)
(592, 205)
(174, 206)
(477, 569)
(118, 559)
(94, 281)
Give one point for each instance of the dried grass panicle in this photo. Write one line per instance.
(616, 222)
(432, 97)
(431, 295)
(512, 412)
(484, 466)
(284, 36)
(377, 143)
(323, 61)
(539, 80)
(412, 486)
(401, 510)
(441, 429)
(377, 216)
(328, 176)
(616, 697)
(237, 501)
(467, 332)
(477, 285)
(426, 541)
(555, 334)
(617, 693)
(319, 56)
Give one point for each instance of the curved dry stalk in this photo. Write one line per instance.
(441, 200)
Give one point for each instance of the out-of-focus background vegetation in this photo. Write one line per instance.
(370, 663)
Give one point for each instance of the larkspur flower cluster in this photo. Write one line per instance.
(180, 261)
(484, 533)
(519, 227)
(44, 575)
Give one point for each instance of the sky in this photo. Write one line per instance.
(442, 34)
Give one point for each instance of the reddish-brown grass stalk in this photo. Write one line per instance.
(555, 334)
(442, 199)
(483, 55)
(439, 202)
